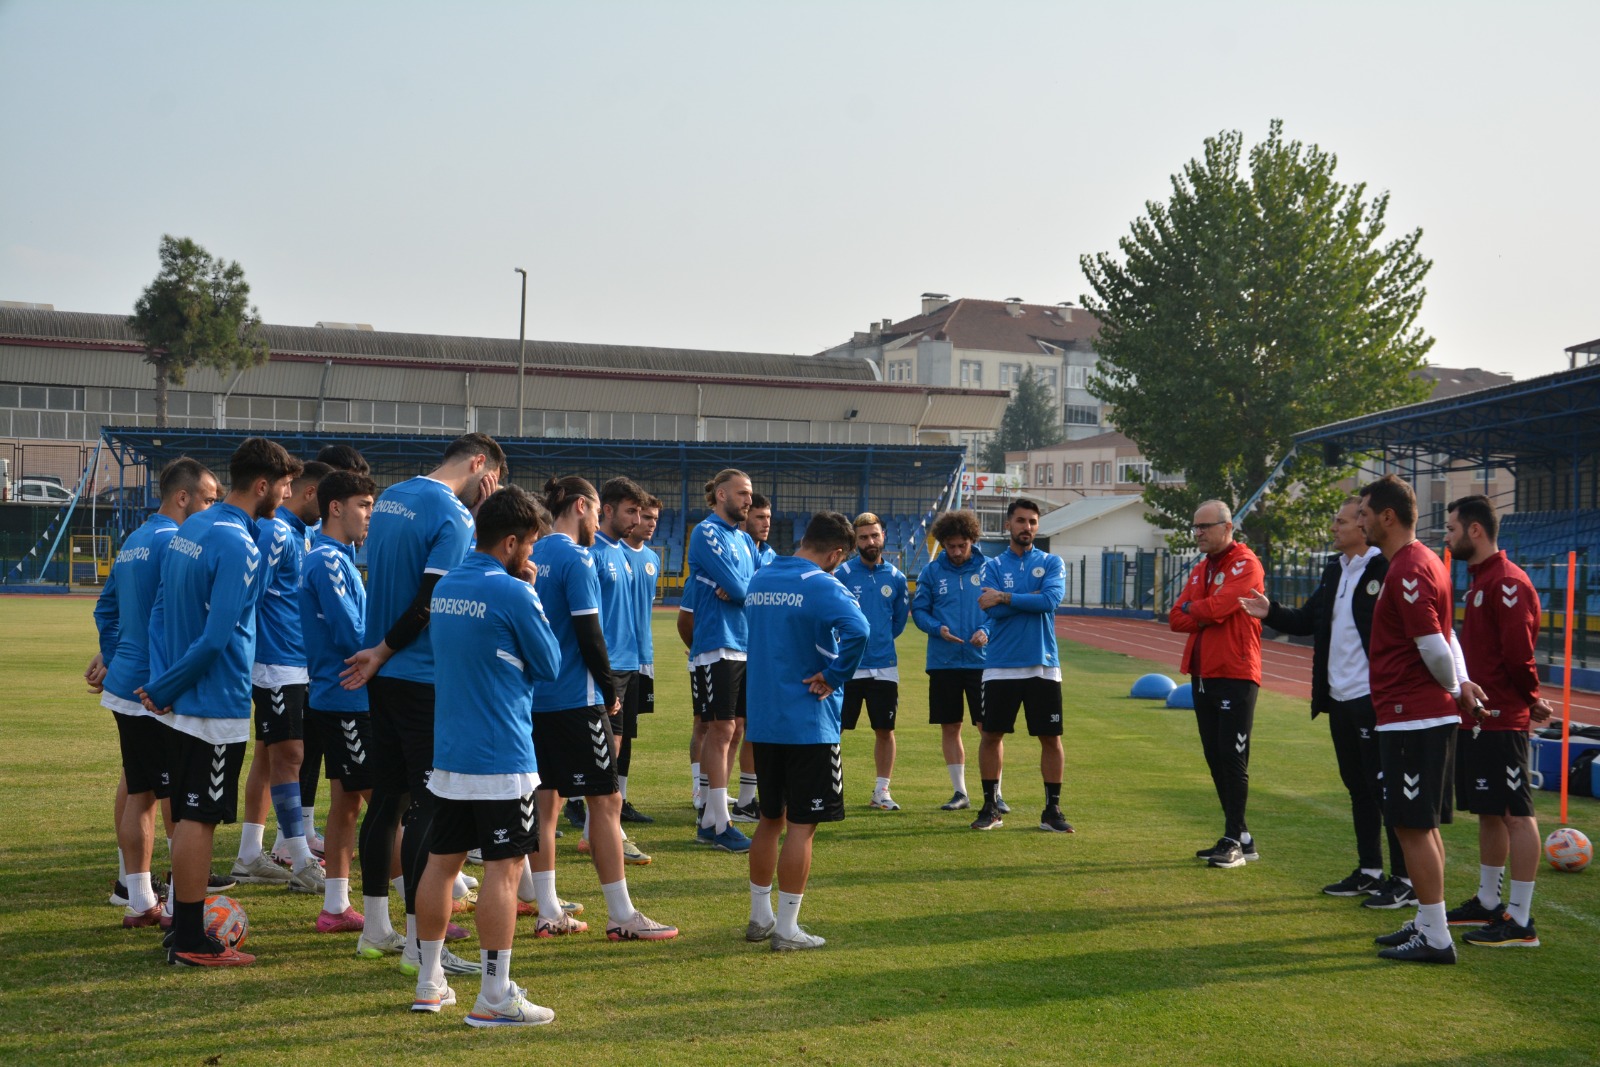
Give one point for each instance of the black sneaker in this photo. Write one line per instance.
(576, 815)
(1248, 848)
(750, 812)
(1417, 950)
(1357, 884)
(1207, 853)
(1051, 819)
(119, 894)
(1504, 933)
(1471, 913)
(1395, 894)
(1000, 805)
(1228, 855)
(959, 802)
(988, 818)
(1399, 937)
(633, 814)
(219, 883)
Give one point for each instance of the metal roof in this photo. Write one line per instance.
(1086, 510)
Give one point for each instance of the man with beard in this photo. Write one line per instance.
(203, 638)
(646, 565)
(1020, 590)
(881, 591)
(1498, 634)
(421, 529)
(946, 609)
(758, 524)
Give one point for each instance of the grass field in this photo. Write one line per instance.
(946, 946)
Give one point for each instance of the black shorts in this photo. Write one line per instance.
(803, 783)
(647, 692)
(146, 744)
(1492, 773)
(573, 748)
(280, 713)
(346, 746)
(881, 697)
(1415, 765)
(402, 734)
(719, 690)
(205, 778)
(1039, 697)
(626, 722)
(503, 829)
(948, 688)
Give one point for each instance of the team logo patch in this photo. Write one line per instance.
(1477, 601)
(1373, 587)
(886, 590)
(975, 580)
(1220, 577)
(650, 569)
(1038, 572)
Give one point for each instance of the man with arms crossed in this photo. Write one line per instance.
(122, 615)
(1418, 687)
(493, 645)
(881, 591)
(646, 566)
(758, 525)
(1020, 590)
(421, 529)
(807, 633)
(1338, 617)
(333, 613)
(1498, 637)
(203, 638)
(946, 609)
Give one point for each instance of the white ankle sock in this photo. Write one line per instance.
(279, 843)
(1371, 873)
(250, 840)
(459, 890)
(694, 778)
(375, 911)
(747, 790)
(717, 809)
(141, 897)
(958, 776)
(496, 983)
(761, 904)
(544, 895)
(298, 849)
(122, 867)
(398, 883)
(1489, 885)
(622, 786)
(880, 786)
(1433, 923)
(788, 916)
(1521, 905)
(430, 970)
(411, 936)
(619, 906)
(308, 816)
(525, 890)
(335, 895)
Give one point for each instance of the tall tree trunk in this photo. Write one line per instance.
(161, 396)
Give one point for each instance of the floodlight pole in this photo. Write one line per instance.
(522, 351)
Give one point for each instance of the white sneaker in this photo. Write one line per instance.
(640, 928)
(433, 997)
(884, 802)
(472, 883)
(315, 842)
(515, 1010)
(259, 871)
(307, 877)
(372, 948)
(449, 961)
(562, 924)
(475, 856)
(801, 940)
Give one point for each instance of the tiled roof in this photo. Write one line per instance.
(998, 326)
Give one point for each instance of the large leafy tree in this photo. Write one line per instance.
(1030, 421)
(196, 313)
(1252, 306)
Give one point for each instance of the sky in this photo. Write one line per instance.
(770, 177)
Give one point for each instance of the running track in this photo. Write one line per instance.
(1285, 668)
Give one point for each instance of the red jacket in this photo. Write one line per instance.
(1498, 636)
(1224, 639)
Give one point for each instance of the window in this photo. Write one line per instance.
(1102, 473)
(1010, 374)
(1077, 377)
(899, 370)
(972, 373)
(1080, 415)
(1048, 376)
(1044, 474)
(1072, 473)
(1133, 470)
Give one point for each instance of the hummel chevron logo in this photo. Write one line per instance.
(527, 814)
(277, 702)
(252, 565)
(1513, 778)
(1411, 598)
(1509, 601)
(1413, 787)
(218, 765)
(1243, 743)
(1238, 567)
(1508, 590)
(350, 730)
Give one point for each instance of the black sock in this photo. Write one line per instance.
(990, 787)
(1052, 794)
(188, 928)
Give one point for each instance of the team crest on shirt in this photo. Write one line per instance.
(1220, 578)
(976, 580)
(1038, 572)
(886, 590)
(650, 569)
(1373, 587)
(1477, 601)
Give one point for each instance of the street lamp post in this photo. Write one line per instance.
(522, 351)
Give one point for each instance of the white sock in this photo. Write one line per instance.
(958, 776)
(1521, 906)
(250, 840)
(717, 810)
(1245, 838)
(279, 843)
(747, 790)
(335, 895)
(122, 868)
(997, 783)
(788, 916)
(495, 985)
(141, 898)
(525, 890)
(622, 785)
(761, 904)
(694, 779)
(619, 906)
(702, 787)
(586, 822)
(309, 817)
(880, 786)
(459, 890)
(1407, 881)
(398, 882)
(431, 969)
(375, 910)
(1434, 924)
(298, 849)
(1370, 873)
(169, 848)
(1489, 885)
(544, 894)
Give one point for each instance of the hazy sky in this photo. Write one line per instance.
(766, 176)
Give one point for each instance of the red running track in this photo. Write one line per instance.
(1285, 668)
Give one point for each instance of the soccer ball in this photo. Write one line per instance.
(226, 921)
(1568, 849)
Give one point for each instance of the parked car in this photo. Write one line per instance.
(40, 491)
(131, 495)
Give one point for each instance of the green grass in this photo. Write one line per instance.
(945, 946)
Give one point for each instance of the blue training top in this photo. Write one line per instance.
(802, 621)
(333, 611)
(568, 586)
(282, 541)
(1023, 633)
(418, 527)
(721, 556)
(947, 595)
(618, 612)
(883, 594)
(646, 570)
(122, 614)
